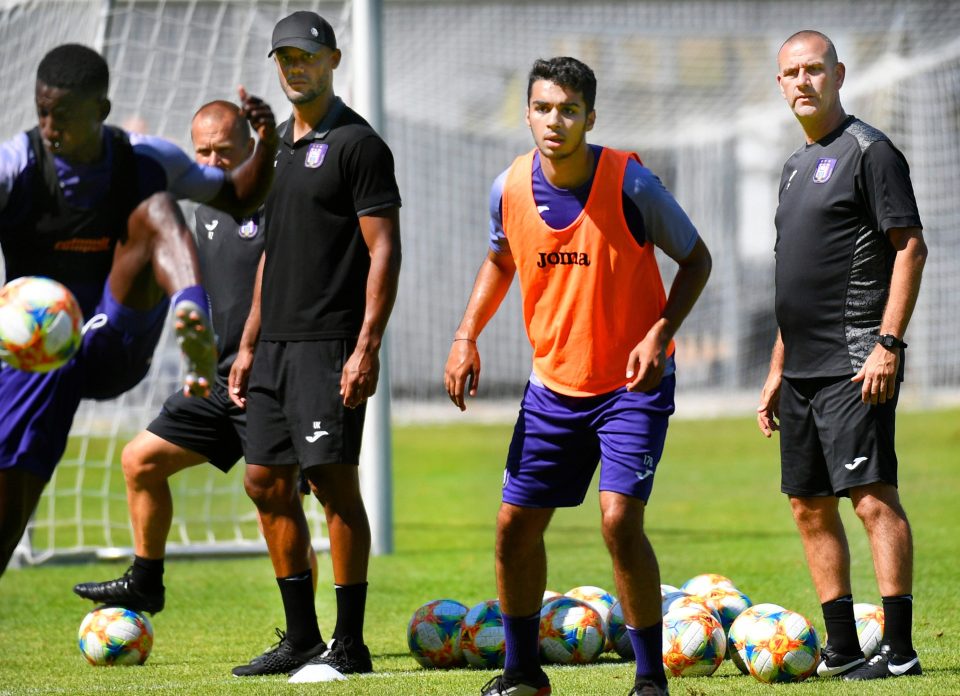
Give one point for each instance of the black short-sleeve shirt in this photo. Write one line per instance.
(315, 274)
(839, 197)
(229, 251)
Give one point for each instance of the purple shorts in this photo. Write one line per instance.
(559, 439)
(37, 409)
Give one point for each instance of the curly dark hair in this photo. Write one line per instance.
(568, 73)
(75, 67)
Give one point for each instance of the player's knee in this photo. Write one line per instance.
(621, 519)
(267, 489)
(137, 471)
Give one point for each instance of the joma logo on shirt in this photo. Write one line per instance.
(563, 258)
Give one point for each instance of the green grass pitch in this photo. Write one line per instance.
(715, 508)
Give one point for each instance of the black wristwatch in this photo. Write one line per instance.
(889, 341)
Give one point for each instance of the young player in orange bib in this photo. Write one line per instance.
(578, 224)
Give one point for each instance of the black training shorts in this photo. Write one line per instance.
(214, 427)
(830, 441)
(295, 414)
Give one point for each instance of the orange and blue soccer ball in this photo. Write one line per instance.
(781, 647)
(737, 635)
(599, 599)
(571, 632)
(433, 634)
(728, 602)
(693, 643)
(869, 618)
(617, 632)
(115, 636)
(703, 583)
(481, 635)
(40, 324)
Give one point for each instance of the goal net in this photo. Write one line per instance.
(689, 85)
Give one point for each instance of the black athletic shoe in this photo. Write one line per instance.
(833, 664)
(343, 656)
(502, 685)
(122, 592)
(886, 664)
(279, 659)
(648, 687)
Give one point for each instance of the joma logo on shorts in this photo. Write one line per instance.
(563, 258)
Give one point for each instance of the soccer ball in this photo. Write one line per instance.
(40, 324)
(728, 602)
(869, 619)
(548, 595)
(571, 632)
(702, 584)
(617, 632)
(682, 600)
(693, 643)
(599, 599)
(737, 635)
(434, 634)
(781, 647)
(667, 589)
(481, 635)
(115, 636)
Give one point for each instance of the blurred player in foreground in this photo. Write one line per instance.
(578, 224)
(93, 207)
(191, 431)
(849, 257)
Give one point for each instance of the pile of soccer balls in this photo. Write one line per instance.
(704, 620)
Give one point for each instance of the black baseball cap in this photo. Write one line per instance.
(307, 31)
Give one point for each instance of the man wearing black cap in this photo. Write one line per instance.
(327, 283)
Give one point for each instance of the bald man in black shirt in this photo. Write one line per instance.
(849, 257)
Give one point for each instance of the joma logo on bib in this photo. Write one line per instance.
(563, 258)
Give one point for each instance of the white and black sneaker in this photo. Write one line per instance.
(502, 685)
(345, 656)
(833, 664)
(886, 664)
(279, 659)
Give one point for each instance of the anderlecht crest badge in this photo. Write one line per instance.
(315, 154)
(824, 170)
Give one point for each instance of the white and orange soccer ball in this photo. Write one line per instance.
(433, 634)
(481, 635)
(781, 647)
(115, 636)
(703, 583)
(693, 643)
(737, 635)
(869, 618)
(599, 599)
(40, 324)
(571, 632)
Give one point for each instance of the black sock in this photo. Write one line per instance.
(841, 626)
(148, 573)
(351, 605)
(296, 591)
(898, 624)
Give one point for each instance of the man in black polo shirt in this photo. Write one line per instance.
(328, 282)
(849, 256)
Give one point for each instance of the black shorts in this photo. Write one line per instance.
(295, 413)
(830, 441)
(214, 427)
